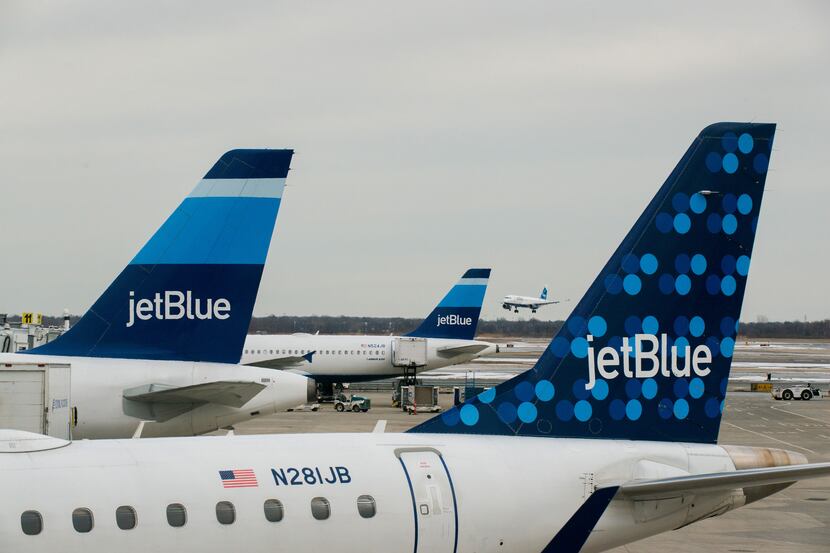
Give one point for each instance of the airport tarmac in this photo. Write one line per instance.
(796, 519)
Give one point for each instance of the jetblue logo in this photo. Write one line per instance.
(651, 357)
(174, 305)
(454, 320)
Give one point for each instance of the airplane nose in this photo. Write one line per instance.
(311, 390)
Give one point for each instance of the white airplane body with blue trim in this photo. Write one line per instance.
(449, 332)
(162, 344)
(352, 358)
(600, 444)
(432, 493)
(529, 302)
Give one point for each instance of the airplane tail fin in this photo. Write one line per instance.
(544, 294)
(189, 293)
(456, 316)
(646, 353)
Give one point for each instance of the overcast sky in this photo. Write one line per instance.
(430, 137)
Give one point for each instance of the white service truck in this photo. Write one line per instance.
(36, 398)
(790, 391)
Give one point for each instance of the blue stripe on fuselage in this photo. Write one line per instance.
(213, 230)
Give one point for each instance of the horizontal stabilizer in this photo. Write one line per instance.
(452, 351)
(231, 394)
(281, 363)
(699, 483)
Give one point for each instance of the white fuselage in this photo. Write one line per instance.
(451, 493)
(353, 358)
(525, 301)
(98, 385)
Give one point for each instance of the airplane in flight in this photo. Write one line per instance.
(610, 438)
(445, 337)
(163, 342)
(528, 302)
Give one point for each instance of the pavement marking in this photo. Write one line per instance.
(799, 415)
(768, 437)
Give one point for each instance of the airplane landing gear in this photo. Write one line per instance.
(325, 391)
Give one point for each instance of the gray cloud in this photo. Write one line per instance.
(429, 138)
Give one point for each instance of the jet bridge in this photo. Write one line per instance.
(35, 397)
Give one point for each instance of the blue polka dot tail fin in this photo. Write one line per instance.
(646, 353)
(456, 316)
(189, 292)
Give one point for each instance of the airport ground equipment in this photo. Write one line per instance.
(409, 355)
(420, 399)
(21, 336)
(36, 397)
(791, 391)
(352, 403)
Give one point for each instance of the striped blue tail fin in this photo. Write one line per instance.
(544, 294)
(646, 353)
(457, 314)
(189, 293)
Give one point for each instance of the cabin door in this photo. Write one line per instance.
(433, 500)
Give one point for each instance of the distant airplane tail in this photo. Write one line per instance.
(456, 316)
(544, 294)
(646, 353)
(189, 293)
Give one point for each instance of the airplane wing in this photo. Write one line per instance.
(160, 402)
(696, 483)
(452, 351)
(281, 363)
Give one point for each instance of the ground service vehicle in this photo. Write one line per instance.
(788, 392)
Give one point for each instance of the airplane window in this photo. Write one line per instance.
(320, 508)
(272, 352)
(273, 510)
(176, 515)
(31, 522)
(125, 517)
(366, 506)
(225, 513)
(82, 520)
(246, 351)
(340, 352)
(259, 351)
(283, 352)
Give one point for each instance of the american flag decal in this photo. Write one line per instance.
(238, 478)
